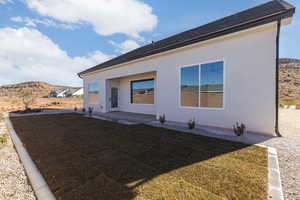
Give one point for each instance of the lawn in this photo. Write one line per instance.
(84, 158)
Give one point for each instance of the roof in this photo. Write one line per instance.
(262, 14)
(71, 91)
(59, 90)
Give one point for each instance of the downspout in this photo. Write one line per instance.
(277, 80)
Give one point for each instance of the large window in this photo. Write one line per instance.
(93, 90)
(202, 85)
(142, 91)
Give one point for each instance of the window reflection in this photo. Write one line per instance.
(206, 79)
(93, 90)
(142, 91)
(211, 85)
(190, 86)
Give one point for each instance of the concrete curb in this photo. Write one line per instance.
(38, 183)
(54, 112)
(275, 188)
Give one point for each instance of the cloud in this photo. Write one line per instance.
(125, 46)
(107, 17)
(46, 22)
(5, 1)
(28, 55)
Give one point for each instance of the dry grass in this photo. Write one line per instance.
(294, 102)
(83, 158)
(8, 104)
(4, 137)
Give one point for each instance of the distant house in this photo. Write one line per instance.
(60, 93)
(217, 74)
(73, 92)
(64, 93)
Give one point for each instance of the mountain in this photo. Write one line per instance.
(37, 87)
(289, 80)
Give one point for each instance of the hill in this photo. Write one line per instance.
(39, 88)
(289, 81)
(10, 97)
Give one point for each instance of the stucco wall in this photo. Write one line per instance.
(249, 86)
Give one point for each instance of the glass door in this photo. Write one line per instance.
(114, 98)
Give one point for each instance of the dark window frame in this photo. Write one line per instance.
(136, 81)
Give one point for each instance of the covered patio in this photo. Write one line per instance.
(131, 93)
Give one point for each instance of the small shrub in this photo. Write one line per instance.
(28, 98)
(83, 110)
(55, 103)
(162, 119)
(239, 129)
(3, 139)
(191, 124)
(90, 111)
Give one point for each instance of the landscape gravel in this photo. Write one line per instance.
(288, 149)
(14, 184)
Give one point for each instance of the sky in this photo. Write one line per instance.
(53, 40)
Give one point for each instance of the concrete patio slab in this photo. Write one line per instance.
(128, 116)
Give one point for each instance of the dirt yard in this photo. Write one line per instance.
(12, 104)
(85, 158)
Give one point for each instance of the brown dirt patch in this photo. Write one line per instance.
(8, 104)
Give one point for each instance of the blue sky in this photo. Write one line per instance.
(52, 40)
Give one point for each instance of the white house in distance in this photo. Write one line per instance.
(78, 92)
(220, 73)
(69, 92)
(73, 92)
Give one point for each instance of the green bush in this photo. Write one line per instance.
(90, 109)
(239, 129)
(191, 124)
(162, 119)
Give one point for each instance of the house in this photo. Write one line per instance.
(78, 92)
(69, 92)
(220, 73)
(60, 93)
(72, 92)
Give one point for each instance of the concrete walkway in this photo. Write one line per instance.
(134, 117)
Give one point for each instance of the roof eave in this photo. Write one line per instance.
(266, 20)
